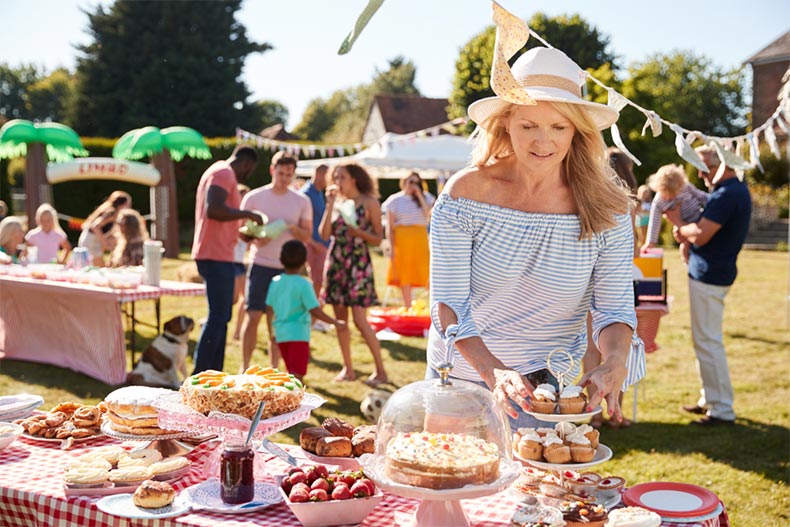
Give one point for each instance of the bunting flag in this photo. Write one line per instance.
(685, 151)
(754, 150)
(618, 102)
(511, 35)
(770, 138)
(362, 21)
(728, 159)
(654, 122)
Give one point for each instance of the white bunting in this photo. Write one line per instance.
(685, 151)
(754, 151)
(618, 141)
(770, 138)
(779, 121)
(654, 122)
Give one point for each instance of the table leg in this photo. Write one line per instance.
(132, 339)
(158, 306)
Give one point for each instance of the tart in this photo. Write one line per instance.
(633, 517)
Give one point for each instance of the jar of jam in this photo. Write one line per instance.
(236, 473)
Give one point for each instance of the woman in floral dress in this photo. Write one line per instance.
(348, 280)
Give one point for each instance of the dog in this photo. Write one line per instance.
(165, 357)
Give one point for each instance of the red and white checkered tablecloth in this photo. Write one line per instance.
(32, 495)
(166, 288)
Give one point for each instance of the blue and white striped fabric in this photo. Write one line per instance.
(524, 282)
(405, 209)
(691, 201)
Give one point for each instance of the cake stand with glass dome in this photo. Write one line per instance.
(436, 414)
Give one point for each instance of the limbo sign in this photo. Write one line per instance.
(103, 168)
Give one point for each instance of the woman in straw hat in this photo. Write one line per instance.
(531, 237)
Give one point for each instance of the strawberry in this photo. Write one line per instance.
(319, 495)
(360, 490)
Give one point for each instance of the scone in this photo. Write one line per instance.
(581, 449)
(338, 427)
(335, 446)
(544, 399)
(555, 451)
(572, 400)
(308, 437)
(364, 443)
(153, 494)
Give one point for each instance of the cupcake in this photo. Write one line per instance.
(544, 399)
(610, 487)
(580, 514)
(633, 517)
(555, 451)
(536, 516)
(581, 449)
(530, 446)
(543, 432)
(590, 433)
(565, 429)
(572, 400)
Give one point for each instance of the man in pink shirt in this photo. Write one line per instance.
(217, 222)
(279, 202)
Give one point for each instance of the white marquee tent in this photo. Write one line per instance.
(393, 155)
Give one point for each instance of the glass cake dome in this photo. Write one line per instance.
(437, 434)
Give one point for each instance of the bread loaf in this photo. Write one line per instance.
(308, 437)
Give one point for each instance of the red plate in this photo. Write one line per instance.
(677, 500)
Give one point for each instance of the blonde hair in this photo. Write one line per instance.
(669, 179)
(132, 230)
(643, 193)
(8, 227)
(111, 204)
(594, 185)
(47, 208)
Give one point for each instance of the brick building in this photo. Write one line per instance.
(768, 66)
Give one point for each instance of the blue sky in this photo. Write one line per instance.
(307, 33)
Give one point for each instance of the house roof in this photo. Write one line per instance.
(408, 113)
(277, 132)
(779, 49)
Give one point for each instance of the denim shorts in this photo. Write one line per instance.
(524, 419)
(239, 269)
(258, 280)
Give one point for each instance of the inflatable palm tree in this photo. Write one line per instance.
(38, 142)
(163, 147)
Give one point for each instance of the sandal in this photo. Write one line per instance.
(343, 378)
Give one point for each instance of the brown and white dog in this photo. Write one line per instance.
(165, 357)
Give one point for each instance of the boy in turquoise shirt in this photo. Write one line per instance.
(289, 303)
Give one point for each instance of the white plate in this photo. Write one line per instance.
(522, 496)
(18, 406)
(122, 505)
(558, 418)
(207, 496)
(602, 453)
(37, 439)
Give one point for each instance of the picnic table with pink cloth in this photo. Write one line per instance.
(32, 494)
(73, 325)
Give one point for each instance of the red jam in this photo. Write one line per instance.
(236, 474)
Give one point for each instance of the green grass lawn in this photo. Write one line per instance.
(746, 465)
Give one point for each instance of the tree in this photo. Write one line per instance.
(162, 64)
(14, 83)
(573, 35)
(53, 97)
(269, 113)
(342, 117)
(683, 88)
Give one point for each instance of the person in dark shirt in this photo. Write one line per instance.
(716, 239)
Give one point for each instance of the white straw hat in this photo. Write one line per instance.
(547, 74)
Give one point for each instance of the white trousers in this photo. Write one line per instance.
(707, 317)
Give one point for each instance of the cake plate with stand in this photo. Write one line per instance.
(602, 453)
(439, 507)
(167, 444)
(175, 415)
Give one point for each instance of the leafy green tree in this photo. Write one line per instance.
(164, 64)
(684, 88)
(14, 83)
(571, 34)
(269, 113)
(53, 97)
(342, 117)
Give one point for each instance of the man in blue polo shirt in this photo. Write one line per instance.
(716, 239)
(317, 247)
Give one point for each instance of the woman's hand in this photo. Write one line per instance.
(605, 382)
(355, 231)
(509, 385)
(330, 194)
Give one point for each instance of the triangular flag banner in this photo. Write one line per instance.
(511, 35)
(618, 142)
(616, 101)
(654, 122)
(754, 151)
(770, 138)
(780, 122)
(730, 159)
(685, 151)
(362, 21)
